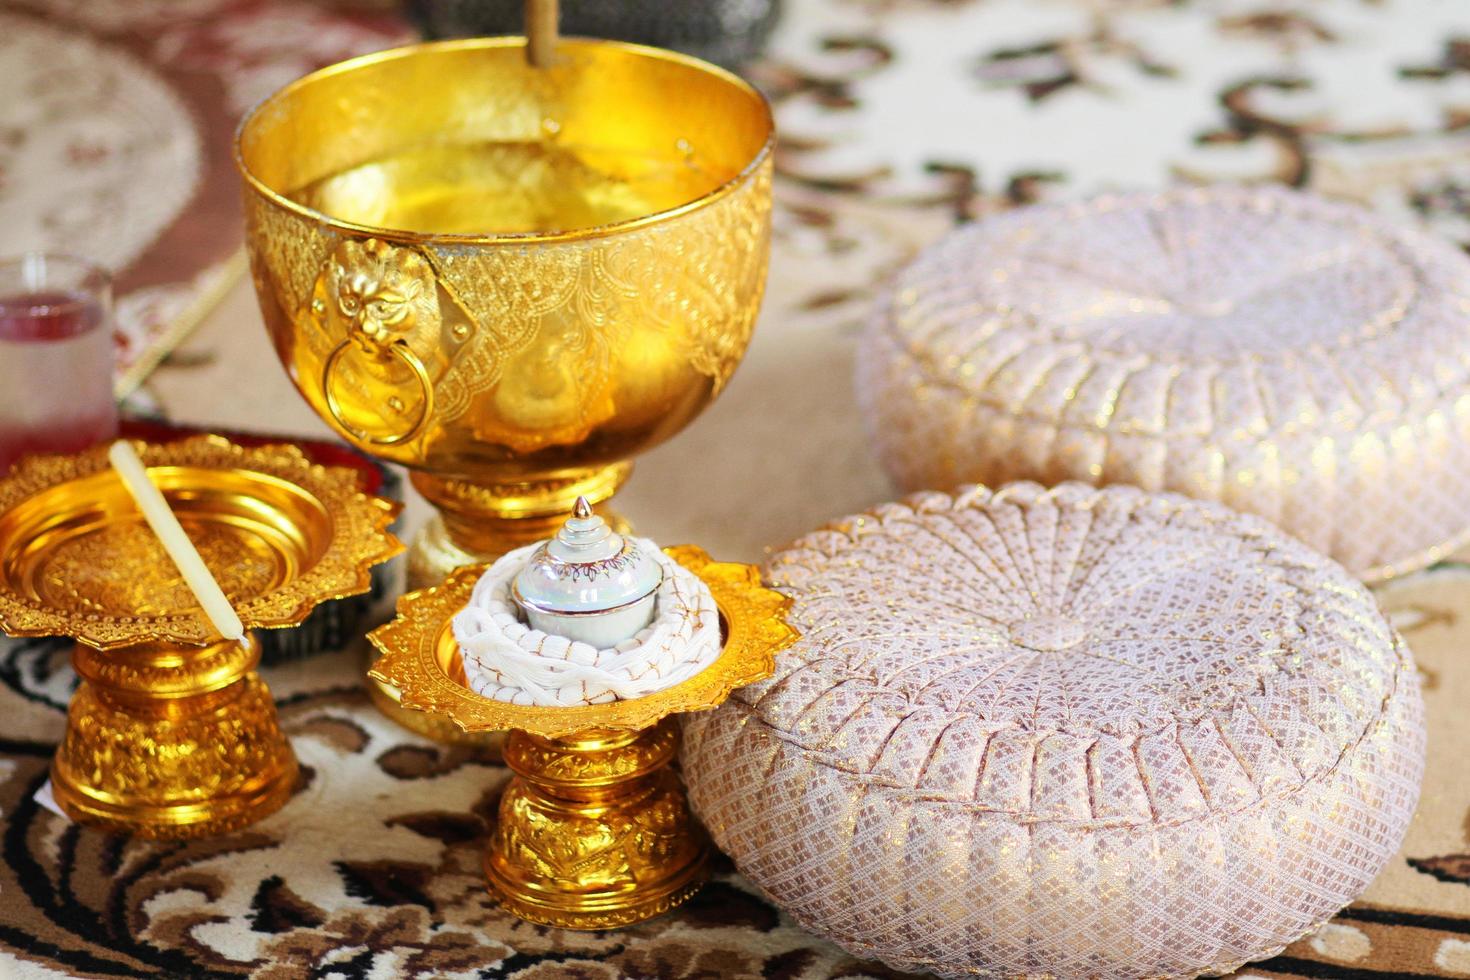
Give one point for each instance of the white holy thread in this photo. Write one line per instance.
(506, 660)
(170, 532)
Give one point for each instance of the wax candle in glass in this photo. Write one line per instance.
(56, 356)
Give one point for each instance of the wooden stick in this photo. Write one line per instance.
(185, 556)
(541, 32)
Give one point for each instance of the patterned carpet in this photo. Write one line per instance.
(899, 118)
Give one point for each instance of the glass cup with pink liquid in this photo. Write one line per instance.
(56, 356)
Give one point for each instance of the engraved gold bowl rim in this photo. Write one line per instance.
(421, 659)
(430, 48)
(333, 533)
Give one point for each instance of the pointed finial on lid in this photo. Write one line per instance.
(588, 582)
(584, 537)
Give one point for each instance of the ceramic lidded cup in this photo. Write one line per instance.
(589, 583)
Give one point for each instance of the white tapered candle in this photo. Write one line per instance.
(185, 556)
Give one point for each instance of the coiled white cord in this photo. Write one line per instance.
(507, 660)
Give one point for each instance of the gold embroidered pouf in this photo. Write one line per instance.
(1064, 733)
(1295, 358)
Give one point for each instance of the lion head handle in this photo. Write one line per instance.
(383, 295)
(382, 301)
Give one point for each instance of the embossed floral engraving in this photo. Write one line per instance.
(525, 346)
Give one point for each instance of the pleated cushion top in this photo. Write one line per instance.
(1075, 732)
(1300, 359)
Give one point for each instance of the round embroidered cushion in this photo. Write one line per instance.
(1296, 358)
(1069, 732)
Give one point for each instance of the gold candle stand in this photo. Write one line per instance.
(593, 830)
(171, 732)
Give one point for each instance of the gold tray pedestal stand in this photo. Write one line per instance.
(172, 733)
(593, 830)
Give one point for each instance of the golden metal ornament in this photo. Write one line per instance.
(490, 745)
(166, 740)
(171, 732)
(508, 279)
(594, 830)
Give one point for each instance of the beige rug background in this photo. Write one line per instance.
(115, 139)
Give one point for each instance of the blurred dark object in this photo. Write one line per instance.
(726, 32)
(332, 624)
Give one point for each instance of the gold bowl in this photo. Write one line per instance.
(593, 831)
(508, 279)
(171, 732)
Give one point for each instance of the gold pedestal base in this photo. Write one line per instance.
(433, 555)
(171, 741)
(594, 831)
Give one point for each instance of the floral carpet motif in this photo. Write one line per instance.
(981, 103)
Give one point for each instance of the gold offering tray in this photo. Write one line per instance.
(594, 831)
(171, 732)
(280, 533)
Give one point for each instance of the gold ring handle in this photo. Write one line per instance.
(421, 374)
